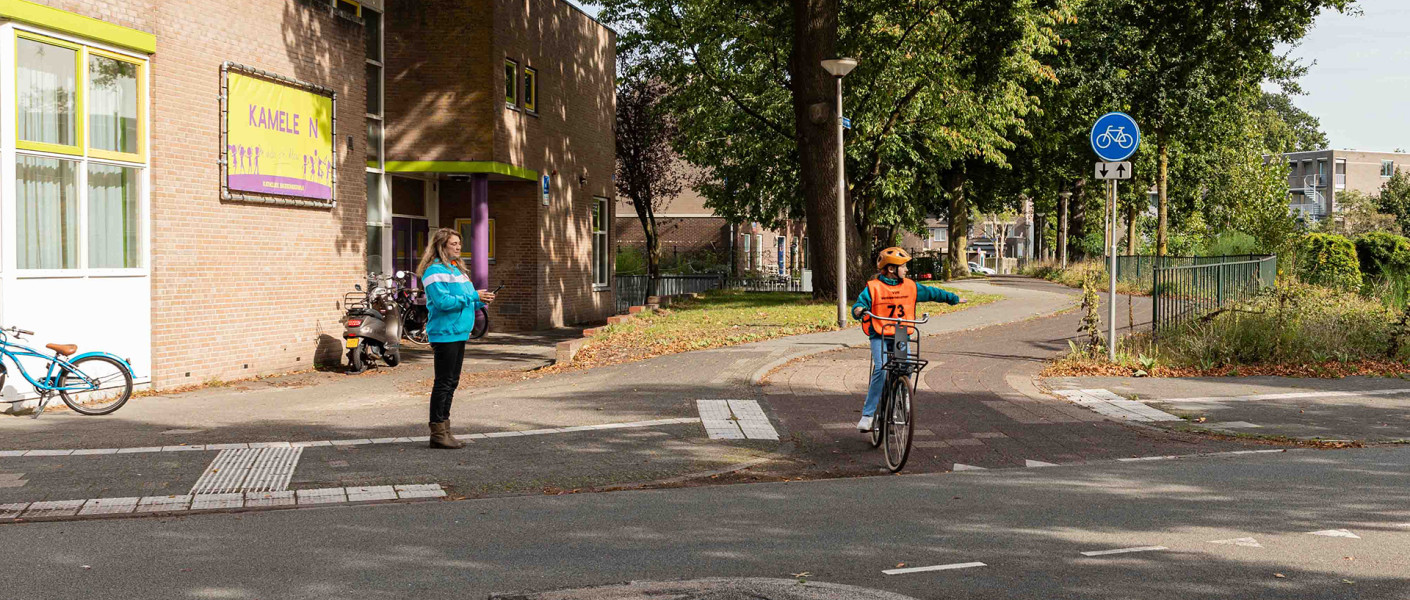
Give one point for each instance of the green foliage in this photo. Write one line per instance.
(1383, 255)
(1290, 129)
(1330, 261)
(1293, 323)
(1092, 318)
(1230, 243)
(1358, 214)
(630, 261)
(1395, 196)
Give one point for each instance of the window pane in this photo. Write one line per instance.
(373, 29)
(112, 104)
(374, 248)
(374, 197)
(46, 212)
(374, 141)
(511, 82)
(531, 89)
(114, 218)
(374, 89)
(47, 89)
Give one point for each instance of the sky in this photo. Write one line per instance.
(1358, 82)
(1359, 86)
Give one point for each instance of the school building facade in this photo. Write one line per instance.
(193, 185)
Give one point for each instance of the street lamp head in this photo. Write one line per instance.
(839, 67)
(1065, 195)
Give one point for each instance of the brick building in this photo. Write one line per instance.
(686, 225)
(130, 225)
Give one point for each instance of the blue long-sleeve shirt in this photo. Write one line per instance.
(451, 300)
(924, 293)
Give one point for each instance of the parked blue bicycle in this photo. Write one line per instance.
(92, 383)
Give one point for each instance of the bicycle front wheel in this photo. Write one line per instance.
(900, 424)
(97, 385)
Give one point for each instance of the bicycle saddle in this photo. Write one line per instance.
(64, 349)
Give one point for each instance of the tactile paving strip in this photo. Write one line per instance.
(249, 470)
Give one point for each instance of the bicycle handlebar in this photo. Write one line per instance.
(18, 331)
(923, 319)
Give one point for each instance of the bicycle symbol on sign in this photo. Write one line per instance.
(1117, 135)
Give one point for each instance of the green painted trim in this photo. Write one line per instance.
(78, 25)
(456, 166)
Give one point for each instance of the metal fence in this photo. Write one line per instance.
(1140, 269)
(1180, 293)
(631, 289)
(766, 284)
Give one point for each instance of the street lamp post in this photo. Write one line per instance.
(1062, 228)
(839, 68)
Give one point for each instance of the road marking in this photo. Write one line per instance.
(1109, 404)
(1246, 542)
(949, 567)
(1285, 396)
(960, 467)
(1199, 455)
(1037, 463)
(1335, 533)
(399, 440)
(1124, 550)
(249, 470)
(59, 509)
(735, 420)
(1233, 425)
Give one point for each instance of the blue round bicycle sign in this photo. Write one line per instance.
(1115, 137)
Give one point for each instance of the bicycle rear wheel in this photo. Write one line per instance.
(900, 424)
(100, 385)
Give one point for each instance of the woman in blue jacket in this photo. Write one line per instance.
(451, 299)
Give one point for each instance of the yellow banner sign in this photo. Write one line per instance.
(280, 139)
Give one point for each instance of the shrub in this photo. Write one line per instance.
(1330, 261)
(1383, 255)
(1293, 323)
(631, 261)
(1230, 243)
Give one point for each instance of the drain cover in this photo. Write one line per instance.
(712, 589)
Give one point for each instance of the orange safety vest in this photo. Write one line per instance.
(897, 301)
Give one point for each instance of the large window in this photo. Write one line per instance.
(80, 129)
(379, 213)
(600, 250)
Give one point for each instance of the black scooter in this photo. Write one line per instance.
(372, 326)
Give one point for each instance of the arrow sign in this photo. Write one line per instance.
(1113, 170)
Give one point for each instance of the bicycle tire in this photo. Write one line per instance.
(878, 424)
(481, 326)
(900, 425)
(88, 406)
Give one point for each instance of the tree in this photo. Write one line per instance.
(1358, 213)
(1302, 132)
(941, 83)
(1395, 196)
(649, 175)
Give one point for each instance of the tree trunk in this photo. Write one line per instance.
(1131, 214)
(1162, 176)
(958, 224)
(814, 111)
(647, 216)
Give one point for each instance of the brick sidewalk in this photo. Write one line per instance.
(976, 405)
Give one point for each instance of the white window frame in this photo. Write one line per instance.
(383, 181)
(10, 153)
(601, 278)
(1387, 169)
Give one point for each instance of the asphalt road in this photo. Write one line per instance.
(1028, 526)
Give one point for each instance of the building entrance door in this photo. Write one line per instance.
(408, 242)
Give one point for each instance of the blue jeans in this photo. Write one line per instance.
(878, 376)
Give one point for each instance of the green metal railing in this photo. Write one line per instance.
(1180, 293)
(1140, 269)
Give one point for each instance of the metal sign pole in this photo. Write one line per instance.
(1111, 293)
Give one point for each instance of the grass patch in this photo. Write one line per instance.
(727, 318)
(1078, 272)
(1292, 330)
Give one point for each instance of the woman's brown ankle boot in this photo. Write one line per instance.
(441, 437)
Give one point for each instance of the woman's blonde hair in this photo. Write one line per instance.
(436, 252)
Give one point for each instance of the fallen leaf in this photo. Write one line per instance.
(1280, 576)
(88, 567)
(899, 565)
(1348, 582)
(803, 574)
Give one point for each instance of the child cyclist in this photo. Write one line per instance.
(889, 294)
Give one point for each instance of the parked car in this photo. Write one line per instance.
(978, 269)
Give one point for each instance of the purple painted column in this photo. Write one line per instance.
(480, 230)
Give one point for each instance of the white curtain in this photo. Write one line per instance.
(47, 89)
(113, 217)
(47, 211)
(112, 104)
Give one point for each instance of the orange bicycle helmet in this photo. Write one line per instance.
(892, 256)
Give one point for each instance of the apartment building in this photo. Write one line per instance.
(1316, 178)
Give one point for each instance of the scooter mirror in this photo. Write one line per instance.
(401, 274)
(357, 286)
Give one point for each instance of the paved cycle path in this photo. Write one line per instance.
(976, 405)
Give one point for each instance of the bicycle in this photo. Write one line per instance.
(895, 417)
(92, 383)
(1120, 138)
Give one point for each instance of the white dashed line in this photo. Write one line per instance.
(1124, 550)
(949, 567)
(358, 442)
(960, 467)
(1037, 463)
(1342, 533)
(1246, 542)
(1109, 404)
